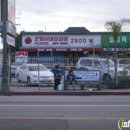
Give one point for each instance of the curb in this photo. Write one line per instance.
(64, 93)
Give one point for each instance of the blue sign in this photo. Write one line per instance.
(90, 75)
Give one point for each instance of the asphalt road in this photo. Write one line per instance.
(63, 112)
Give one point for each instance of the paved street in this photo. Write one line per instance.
(63, 112)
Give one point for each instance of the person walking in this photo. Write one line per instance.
(70, 79)
(57, 75)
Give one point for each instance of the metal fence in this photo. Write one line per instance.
(67, 63)
(49, 62)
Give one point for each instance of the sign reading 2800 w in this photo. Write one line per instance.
(61, 40)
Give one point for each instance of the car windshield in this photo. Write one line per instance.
(17, 63)
(36, 68)
(125, 61)
(106, 63)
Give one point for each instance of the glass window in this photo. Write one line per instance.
(36, 68)
(22, 67)
(124, 61)
(86, 62)
(107, 63)
(97, 63)
(17, 63)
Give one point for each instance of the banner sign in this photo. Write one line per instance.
(108, 41)
(61, 40)
(21, 56)
(83, 75)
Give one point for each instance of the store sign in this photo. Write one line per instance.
(108, 41)
(70, 49)
(89, 75)
(61, 40)
(117, 49)
(21, 56)
(10, 40)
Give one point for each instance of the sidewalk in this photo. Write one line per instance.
(35, 90)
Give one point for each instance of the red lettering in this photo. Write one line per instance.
(90, 40)
(63, 43)
(78, 40)
(65, 38)
(55, 43)
(36, 39)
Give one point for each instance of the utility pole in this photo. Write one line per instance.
(5, 80)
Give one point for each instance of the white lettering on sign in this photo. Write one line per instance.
(124, 38)
(79, 49)
(73, 49)
(60, 49)
(111, 39)
(48, 49)
(117, 49)
(41, 49)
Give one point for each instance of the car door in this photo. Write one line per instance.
(25, 73)
(20, 72)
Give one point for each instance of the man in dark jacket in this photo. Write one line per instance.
(70, 79)
(57, 75)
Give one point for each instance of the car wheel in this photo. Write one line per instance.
(107, 79)
(28, 80)
(18, 80)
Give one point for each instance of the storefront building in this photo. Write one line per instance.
(68, 44)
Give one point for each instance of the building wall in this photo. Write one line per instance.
(1, 57)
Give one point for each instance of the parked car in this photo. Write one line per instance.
(123, 62)
(106, 67)
(14, 66)
(34, 74)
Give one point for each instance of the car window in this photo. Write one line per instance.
(124, 61)
(86, 62)
(17, 63)
(97, 63)
(23, 67)
(36, 68)
(107, 63)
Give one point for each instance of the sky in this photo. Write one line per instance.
(58, 15)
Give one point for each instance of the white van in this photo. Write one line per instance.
(106, 67)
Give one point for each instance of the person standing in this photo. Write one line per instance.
(57, 75)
